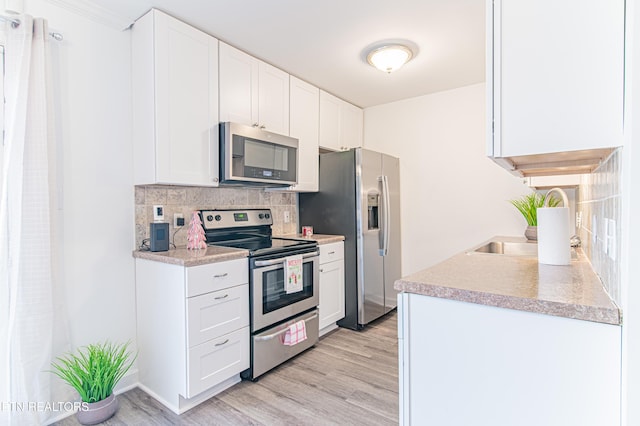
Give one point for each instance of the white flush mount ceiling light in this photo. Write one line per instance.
(389, 58)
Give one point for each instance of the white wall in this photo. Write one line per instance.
(92, 84)
(453, 196)
(631, 227)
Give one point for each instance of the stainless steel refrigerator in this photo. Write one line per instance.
(359, 197)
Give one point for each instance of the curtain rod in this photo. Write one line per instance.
(15, 23)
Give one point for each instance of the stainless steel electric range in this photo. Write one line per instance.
(272, 309)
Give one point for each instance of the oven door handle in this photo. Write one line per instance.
(260, 263)
(284, 330)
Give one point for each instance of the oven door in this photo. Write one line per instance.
(270, 302)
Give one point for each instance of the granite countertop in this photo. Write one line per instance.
(184, 257)
(319, 238)
(518, 282)
(212, 254)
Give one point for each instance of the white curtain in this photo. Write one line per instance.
(27, 204)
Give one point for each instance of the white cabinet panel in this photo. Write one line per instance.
(505, 367)
(351, 123)
(273, 99)
(214, 314)
(331, 304)
(216, 360)
(340, 123)
(189, 345)
(216, 276)
(331, 252)
(175, 102)
(556, 74)
(331, 293)
(304, 125)
(252, 92)
(329, 121)
(238, 86)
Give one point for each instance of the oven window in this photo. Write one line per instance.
(273, 293)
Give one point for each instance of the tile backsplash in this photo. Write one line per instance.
(599, 210)
(181, 199)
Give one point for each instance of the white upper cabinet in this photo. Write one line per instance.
(340, 123)
(253, 92)
(175, 102)
(555, 76)
(304, 125)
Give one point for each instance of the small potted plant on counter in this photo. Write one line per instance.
(94, 371)
(528, 205)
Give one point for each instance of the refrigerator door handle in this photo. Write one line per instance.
(386, 220)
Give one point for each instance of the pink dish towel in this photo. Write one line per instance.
(296, 333)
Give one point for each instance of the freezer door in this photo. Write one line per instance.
(371, 296)
(392, 259)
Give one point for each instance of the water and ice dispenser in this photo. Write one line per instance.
(373, 199)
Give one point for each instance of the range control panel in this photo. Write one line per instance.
(216, 219)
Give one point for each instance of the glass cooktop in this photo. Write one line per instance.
(266, 245)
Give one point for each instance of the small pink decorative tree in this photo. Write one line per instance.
(196, 239)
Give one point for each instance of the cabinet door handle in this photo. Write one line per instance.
(263, 127)
(223, 343)
(221, 275)
(321, 270)
(332, 252)
(221, 297)
(254, 125)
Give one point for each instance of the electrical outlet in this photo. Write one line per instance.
(177, 222)
(158, 213)
(287, 216)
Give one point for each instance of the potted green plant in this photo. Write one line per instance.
(528, 205)
(94, 371)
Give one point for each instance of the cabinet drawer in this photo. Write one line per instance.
(216, 276)
(213, 314)
(331, 252)
(212, 362)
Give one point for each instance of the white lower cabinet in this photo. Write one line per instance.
(469, 364)
(193, 329)
(216, 360)
(331, 286)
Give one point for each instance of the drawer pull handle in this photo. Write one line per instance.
(321, 270)
(221, 275)
(332, 252)
(223, 343)
(221, 297)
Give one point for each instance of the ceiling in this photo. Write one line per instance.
(323, 41)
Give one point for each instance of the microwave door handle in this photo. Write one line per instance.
(282, 259)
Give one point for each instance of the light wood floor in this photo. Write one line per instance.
(348, 378)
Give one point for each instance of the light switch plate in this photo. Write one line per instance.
(158, 213)
(287, 216)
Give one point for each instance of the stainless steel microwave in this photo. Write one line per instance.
(252, 156)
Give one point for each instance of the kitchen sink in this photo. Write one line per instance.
(508, 248)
